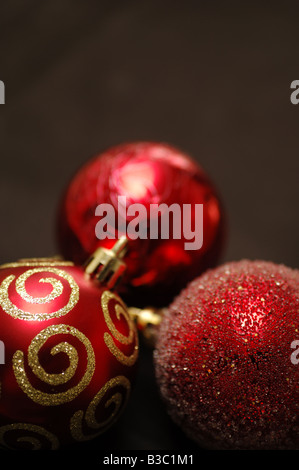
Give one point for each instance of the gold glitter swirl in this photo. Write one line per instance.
(57, 290)
(30, 262)
(118, 401)
(52, 399)
(30, 430)
(132, 337)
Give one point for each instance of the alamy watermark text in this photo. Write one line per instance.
(2, 92)
(2, 353)
(160, 221)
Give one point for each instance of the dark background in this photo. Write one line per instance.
(211, 77)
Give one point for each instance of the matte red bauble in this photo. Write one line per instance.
(70, 350)
(144, 173)
(224, 357)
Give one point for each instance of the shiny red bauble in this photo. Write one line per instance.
(69, 350)
(224, 357)
(144, 173)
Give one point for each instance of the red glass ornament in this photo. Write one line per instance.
(145, 173)
(70, 353)
(223, 357)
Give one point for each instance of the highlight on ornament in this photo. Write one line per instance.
(135, 221)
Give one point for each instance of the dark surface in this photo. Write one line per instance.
(210, 77)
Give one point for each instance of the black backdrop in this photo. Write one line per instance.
(211, 77)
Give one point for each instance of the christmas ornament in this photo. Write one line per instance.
(223, 357)
(152, 175)
(70, 350)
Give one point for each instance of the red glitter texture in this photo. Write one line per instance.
(145, 173)
(223, 357)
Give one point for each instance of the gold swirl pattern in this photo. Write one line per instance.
(35, 443)
(132, 337)
(118, 401)
(57, 289)
(53, 261)
(53, 399)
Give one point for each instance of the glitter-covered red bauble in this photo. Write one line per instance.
(144, 173)
(224, 357)
(70, 349)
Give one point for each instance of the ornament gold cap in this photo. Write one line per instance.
(147, 321)
(107, 265)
